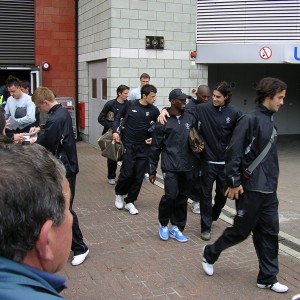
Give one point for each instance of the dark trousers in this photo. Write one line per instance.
(111, 169)
(209, 174)
(78, 245)
(173, 204)
(196, 189)
(256, 212)
(135, 161)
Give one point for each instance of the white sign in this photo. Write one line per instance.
(248, 53)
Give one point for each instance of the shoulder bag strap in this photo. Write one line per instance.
(261, 156)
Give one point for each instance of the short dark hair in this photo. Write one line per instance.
(31, 192)
(25, 84)
(12, 80)
(121, 88)
(269, 87)
(147, 89)
(145, 75)
(224, 88)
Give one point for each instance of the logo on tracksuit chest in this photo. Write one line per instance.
(228, 120)
(187, 126)
(147, 113)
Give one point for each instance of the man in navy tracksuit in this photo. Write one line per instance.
(177, 163)
(58, 138)
(137, 139)
(218, 119)
(255, 194)
(106, 119)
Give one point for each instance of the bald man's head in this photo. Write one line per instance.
(203, 93)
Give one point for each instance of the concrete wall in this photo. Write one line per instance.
(115, 30)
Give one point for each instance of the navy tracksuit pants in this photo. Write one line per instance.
(111, 169)
(78, 245)
(211, 173)
(256, 212)
(173, 204)
(134, 165)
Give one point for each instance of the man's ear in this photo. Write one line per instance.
(45, 241)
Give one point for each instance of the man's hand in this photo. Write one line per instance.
(148, 141)
(234, 193)
(18, 137)
(116, 137)
(200, 148)
(34, 130)
(162, 117)
(7, 123)
(152, 178)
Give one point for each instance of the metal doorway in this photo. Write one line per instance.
(97, 97)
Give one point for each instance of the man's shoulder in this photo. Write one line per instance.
(188, 114)
(252, 115)
(154, 109)
(205, 106)
(18, 279)
(59, 112)
(135, 94)
(138, 89)
(192, 104)
(111, 102)
(11, 99)
(26, 98)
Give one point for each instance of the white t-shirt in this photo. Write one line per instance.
(10, 109)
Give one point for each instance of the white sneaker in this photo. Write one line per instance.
(79, 259)
(112, 181)
(146, 176)
(131, 208)
(196, 207)
(208, 268)
(119, 203)
(276, 287)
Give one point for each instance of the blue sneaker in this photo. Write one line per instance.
(164, 232)
(175, 233)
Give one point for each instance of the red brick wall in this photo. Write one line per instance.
(55, 43)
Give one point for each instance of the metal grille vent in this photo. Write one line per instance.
(17, 32)
(249, 21)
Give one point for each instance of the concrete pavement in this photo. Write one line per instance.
(129, 261)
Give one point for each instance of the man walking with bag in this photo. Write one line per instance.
(106, 119)
(254, 189)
